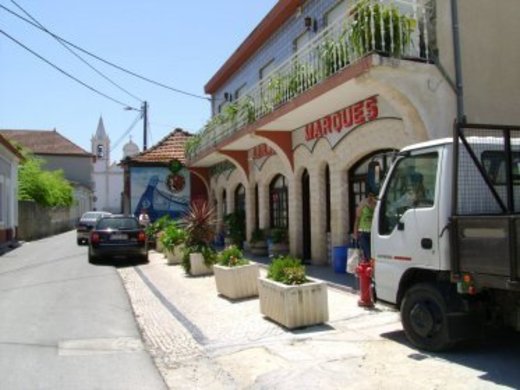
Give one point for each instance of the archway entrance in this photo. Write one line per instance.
(306, 217)
(359, 187)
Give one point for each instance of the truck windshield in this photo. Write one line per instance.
(412, 185)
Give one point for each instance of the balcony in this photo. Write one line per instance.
(390, 28)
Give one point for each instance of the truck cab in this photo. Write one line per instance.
(445, 242)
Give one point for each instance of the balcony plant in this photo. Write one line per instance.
(289, 297)
(279, 242)
(380, 27)
(199, 256)
(257, 243)
(172, 241)
(235, 277)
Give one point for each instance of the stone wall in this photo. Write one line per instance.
(35, 221)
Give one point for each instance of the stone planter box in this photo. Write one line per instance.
(258, 248)
(237, 282)
(279, 249)
(174, 256)
(294, 306)
(197, 266)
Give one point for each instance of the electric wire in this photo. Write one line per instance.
(105, 61)
(128, 131)
(76, 54)
(64, 72)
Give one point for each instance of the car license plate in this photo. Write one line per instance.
(119, 237)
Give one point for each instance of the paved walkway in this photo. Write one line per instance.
(200, 340)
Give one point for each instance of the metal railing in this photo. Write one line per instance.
(394, 28)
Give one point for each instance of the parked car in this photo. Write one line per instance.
(86, 223)
(117, 236)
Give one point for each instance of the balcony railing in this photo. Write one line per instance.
(394, 28)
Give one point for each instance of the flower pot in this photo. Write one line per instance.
(174, 256)
(294, 306)
(197, 265)
(237, 282)
(258, 248)
(279, 249)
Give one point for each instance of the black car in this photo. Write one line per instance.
(87, 223)
(117, 235)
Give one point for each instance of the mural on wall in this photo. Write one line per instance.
(160, 190)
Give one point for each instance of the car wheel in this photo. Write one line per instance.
(91, 258)
(144, 258)
(79, 241)
(424, 318)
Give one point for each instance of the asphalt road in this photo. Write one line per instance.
(66, 324)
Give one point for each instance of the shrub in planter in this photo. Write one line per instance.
(280, 242)
(235, 276)
(155, 230)
(199, 224)
(258, 244)
(172, 239)
(236, 227)
(289, 297)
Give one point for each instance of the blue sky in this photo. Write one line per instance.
(178, 43)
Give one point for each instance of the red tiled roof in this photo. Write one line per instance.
(44, 142)
(169, 148)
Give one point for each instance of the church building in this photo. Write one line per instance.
(107, 176)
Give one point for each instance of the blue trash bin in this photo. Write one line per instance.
(339, 259)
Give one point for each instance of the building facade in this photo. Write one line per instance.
(321, 89)
(107, 176)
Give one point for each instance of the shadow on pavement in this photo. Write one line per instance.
(496, 355)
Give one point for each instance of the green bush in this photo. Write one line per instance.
(173, 236)
(279, 236)
(257, 236)
(287, 270)
(231, 256)
(158, 225)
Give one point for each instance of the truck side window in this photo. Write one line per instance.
(412, 185)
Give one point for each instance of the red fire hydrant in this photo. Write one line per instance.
(364, 273)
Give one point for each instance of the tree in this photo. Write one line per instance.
(47, 188)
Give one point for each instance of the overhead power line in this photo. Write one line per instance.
(105, 61)
(63, 71)
(75, 54)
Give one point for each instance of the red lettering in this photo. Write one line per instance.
(358, 113)
(317, 129)
(372, 108)
(309, 133)
(326, 123)
(336, 122)
(346, 117)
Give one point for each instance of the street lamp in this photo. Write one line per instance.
(144, 114)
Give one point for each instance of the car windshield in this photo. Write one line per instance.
(118, 223)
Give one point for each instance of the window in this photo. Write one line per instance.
(240, 91)
(240, 198)
(224, 203)
(301, 41)
(278, 202)
(100, 151)
(337, 12)
(411, 186)
(266, 69)
(494, 164)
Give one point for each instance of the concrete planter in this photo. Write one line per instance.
(237, 282)
(279, 249)
(258, 248)
(197, 266)
(174, 256)
(294, 306)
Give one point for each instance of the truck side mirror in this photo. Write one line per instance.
(400, 225)
(374, 177)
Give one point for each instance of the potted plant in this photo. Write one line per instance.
(199, 256)
(155, 230)
(280, 242)
(235, 277)
(236, 227)
(289, 297)
(172, 240)
(258, 244)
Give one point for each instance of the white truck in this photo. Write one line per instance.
(446, 235)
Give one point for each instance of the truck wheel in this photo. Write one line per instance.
(424, 318)
(91, 259)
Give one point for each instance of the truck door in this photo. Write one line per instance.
(405, 229)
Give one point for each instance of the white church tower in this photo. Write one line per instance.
(106, 176)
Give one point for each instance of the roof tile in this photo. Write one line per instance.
(44, 142)
(169, 148)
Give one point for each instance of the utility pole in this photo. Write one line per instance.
(145, 124)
